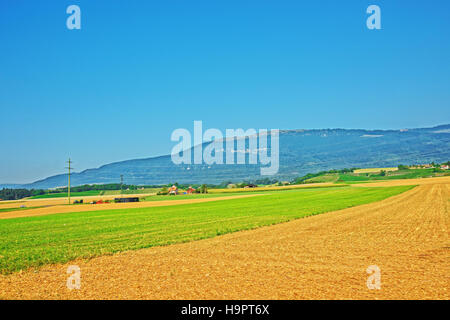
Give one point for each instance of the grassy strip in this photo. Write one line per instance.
(94, 193)
(64, 194)
(35, 241)
(18, 209)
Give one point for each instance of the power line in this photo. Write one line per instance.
(68, 188)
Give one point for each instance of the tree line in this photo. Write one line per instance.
(16, 194)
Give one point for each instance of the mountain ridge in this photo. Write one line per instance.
(301, 151)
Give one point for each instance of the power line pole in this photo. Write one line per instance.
(121, 183)
(68, 188)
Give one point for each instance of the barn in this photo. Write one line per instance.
(130, 199)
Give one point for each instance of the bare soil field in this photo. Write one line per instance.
(107, 206)
(319, 257)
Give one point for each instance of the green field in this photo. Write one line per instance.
(72, 194)
(138, 191)
(35, 241)
(189, 196)
(215, 193)
(94, 193)
(359, 176)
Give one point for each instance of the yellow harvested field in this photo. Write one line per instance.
(320, 257)
(375, 170)
(108, 206)
(405, 182)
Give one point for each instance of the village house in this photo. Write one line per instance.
(190, 190)
(173, 190)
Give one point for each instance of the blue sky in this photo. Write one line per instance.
(137, 70)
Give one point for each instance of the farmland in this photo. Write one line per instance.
(374, 174)
(16, 209)
(65, 194)
(93, 193)
(35, 241)
(162, 202)
(189, 247)
(322, 256)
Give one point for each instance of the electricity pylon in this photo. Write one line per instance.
(121, 183)
(68, 188)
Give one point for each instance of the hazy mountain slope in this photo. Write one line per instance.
(301, 152)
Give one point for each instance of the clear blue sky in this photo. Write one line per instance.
(137, 70)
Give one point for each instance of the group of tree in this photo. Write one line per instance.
(16, 194)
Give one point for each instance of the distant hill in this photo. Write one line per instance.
(301, 152)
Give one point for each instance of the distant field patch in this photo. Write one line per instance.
(329, 177)
(16, 209)
(189, 196)
(96, 193)
(375, 170)
(275, 188)
(65, 195)
(138, 191)
(351, 178)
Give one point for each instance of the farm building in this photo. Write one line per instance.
(131, 199)
(173, 190)
(190, 190)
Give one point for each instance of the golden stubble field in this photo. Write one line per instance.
(319, 257)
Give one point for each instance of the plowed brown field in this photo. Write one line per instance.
(319, 257)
